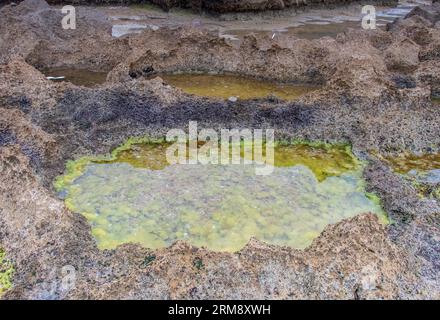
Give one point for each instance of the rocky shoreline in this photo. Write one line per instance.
(376, 95)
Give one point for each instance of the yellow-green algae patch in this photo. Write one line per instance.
(135, 196)
(227, 85)
(324, 160)
(406, 162)
(422, 170)
(75, 168)
(6, 273)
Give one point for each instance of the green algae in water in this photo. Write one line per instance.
(406, 162)
(435, 100)
(324, 161)
(308, 31)
(226, 86)
(137, 197)
(147, 155)
(420, 169)
(6, 272)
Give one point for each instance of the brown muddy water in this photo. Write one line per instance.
(79, 77)
(227, 86)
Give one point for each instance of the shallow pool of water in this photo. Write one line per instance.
(422, 170)
(407, 162)
(226, 86)
(137, 197)
(79, 77)
(435, 100)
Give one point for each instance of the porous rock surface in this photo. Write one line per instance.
(372, 97)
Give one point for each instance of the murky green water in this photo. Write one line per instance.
(226, 86)
(137, 197)
(79, 77)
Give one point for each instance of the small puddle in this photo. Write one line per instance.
(424, 170)
(79, 77)
(435, 100)
(226, 86)
(137, 197)
(407, 162)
